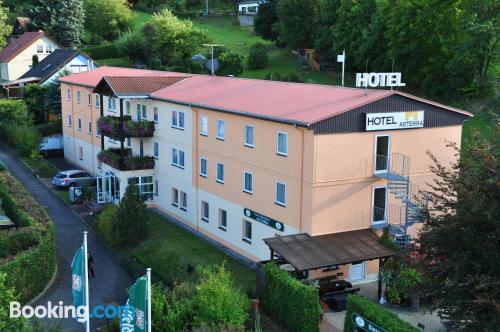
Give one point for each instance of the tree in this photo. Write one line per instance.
(460, 240)
(70, 23)
(257, 56)
(43, 15)
(217, 302)
(295, 23)
(324, 20)
(8, 295)
(130, 226)
(34, 97)
(34, 60)
(5, 28)
(230, 64)
(107, 18)
(52, 100)
(135, 47)
(169, 36)
(265, 20)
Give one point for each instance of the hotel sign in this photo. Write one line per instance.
(374, 80)
(363, 324)
(398, 120)
(264, 219)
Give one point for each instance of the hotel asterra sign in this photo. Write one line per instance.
(374, 80)
(397, 120)
(362, 324)
(264, 219)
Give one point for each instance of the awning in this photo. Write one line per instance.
(306, 252)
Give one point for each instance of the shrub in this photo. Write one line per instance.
(107, 18)
(292, 304)
(50, 128)
(217, 302)
(105, 224)
(230, 64)
(172, 309)
(134, 46)
(258, 56)
(14, 241)
(375, 313)
(104, 51)
(8, 294)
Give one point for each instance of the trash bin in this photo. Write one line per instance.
(338, 302)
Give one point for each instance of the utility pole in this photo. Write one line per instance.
(206, 7)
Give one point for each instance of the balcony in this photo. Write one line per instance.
(112, 158)
(110, 126)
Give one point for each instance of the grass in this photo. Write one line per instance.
(140, 18)
(482, 122)
(169, 250)
(115, 62)
(64, 195)
(41, 167)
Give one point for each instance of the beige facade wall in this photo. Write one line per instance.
(344, 181)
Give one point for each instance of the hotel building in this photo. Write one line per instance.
(243, 161)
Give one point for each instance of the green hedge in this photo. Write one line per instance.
(50, 128)
(14, 241)
(30, 270)
(375, 313)
(292, 304)
(104, 51)
(18, 217)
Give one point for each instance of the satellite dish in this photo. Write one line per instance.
(199, 58)
(212, 64)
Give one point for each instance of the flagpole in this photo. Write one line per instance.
(86, 272)
(148, 276)
(343, 65)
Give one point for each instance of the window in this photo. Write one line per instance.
(281, 193)
(282, 144)
(177, 120)
(247, 231)
(127, 107)
(379, 205)
(220, 130)
(183, 201)
(248, 183)
(156, 187)
(144, 112)
(39, 49)
(220, 173)
(178, 158)
(175, 197)
(145, 186)
(97, 101)
(88, 99)
(155, 114)
(249, 136)
(141, 112)
(78, 97)
(90, 127)
(98, 130)
(223, 219)
(48, 49)
(205, 213)
(69, 120)
(203, 125)
(68, 94)
(382, 153)
(111, 104)
(79, 124)
(203, 167)
(129, 142)
(80, 153)
(155, 150)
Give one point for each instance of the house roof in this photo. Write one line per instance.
(297, 103)
(51, 64)
(306, 252)
(137, 85)
(18, 44)
(23, 22)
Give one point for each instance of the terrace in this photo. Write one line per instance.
(124, 160)
(110, 127)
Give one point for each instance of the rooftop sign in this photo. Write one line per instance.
(397, 120)
(374, 80)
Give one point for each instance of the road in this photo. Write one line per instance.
(111, 280)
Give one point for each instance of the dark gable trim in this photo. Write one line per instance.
(354, 120)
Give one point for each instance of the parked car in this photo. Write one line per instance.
(73, 178)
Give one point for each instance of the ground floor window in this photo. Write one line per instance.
(205, 213)
(175, 197)
(222, 219)
(145, 185)
(247, 231)
(183, 201)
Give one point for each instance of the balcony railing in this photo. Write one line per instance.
(112, 158)
(110, 126)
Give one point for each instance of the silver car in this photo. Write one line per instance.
(73, 178)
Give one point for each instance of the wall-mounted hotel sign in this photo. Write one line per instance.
(264, 219)
(399, 120)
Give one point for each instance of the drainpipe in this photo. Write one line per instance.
(195, 171)
(301, 177)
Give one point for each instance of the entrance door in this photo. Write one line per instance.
(357, 271)
(382, 153)
(106, 188)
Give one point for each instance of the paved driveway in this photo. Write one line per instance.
(111, 280)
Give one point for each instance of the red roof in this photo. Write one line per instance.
(138, 85)
(281, 101)
(17, 45)
(93, 77)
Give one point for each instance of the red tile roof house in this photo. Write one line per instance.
(17, 57)
(243, 160)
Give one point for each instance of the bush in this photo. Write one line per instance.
(50, 128)
(258, 56)
(134, 46)
(230, 64)
(375, 313)
(104, 51)
(8, 294)
(16, 215)
(14, 241)
(104, 224)
(107, 18)
(292, 304)
(172, 309)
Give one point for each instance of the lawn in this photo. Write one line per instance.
(63, 193)
(115, 62)
(171, 252)
(41, 167)
(482, 122)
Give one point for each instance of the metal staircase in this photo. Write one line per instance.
(396, 171)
